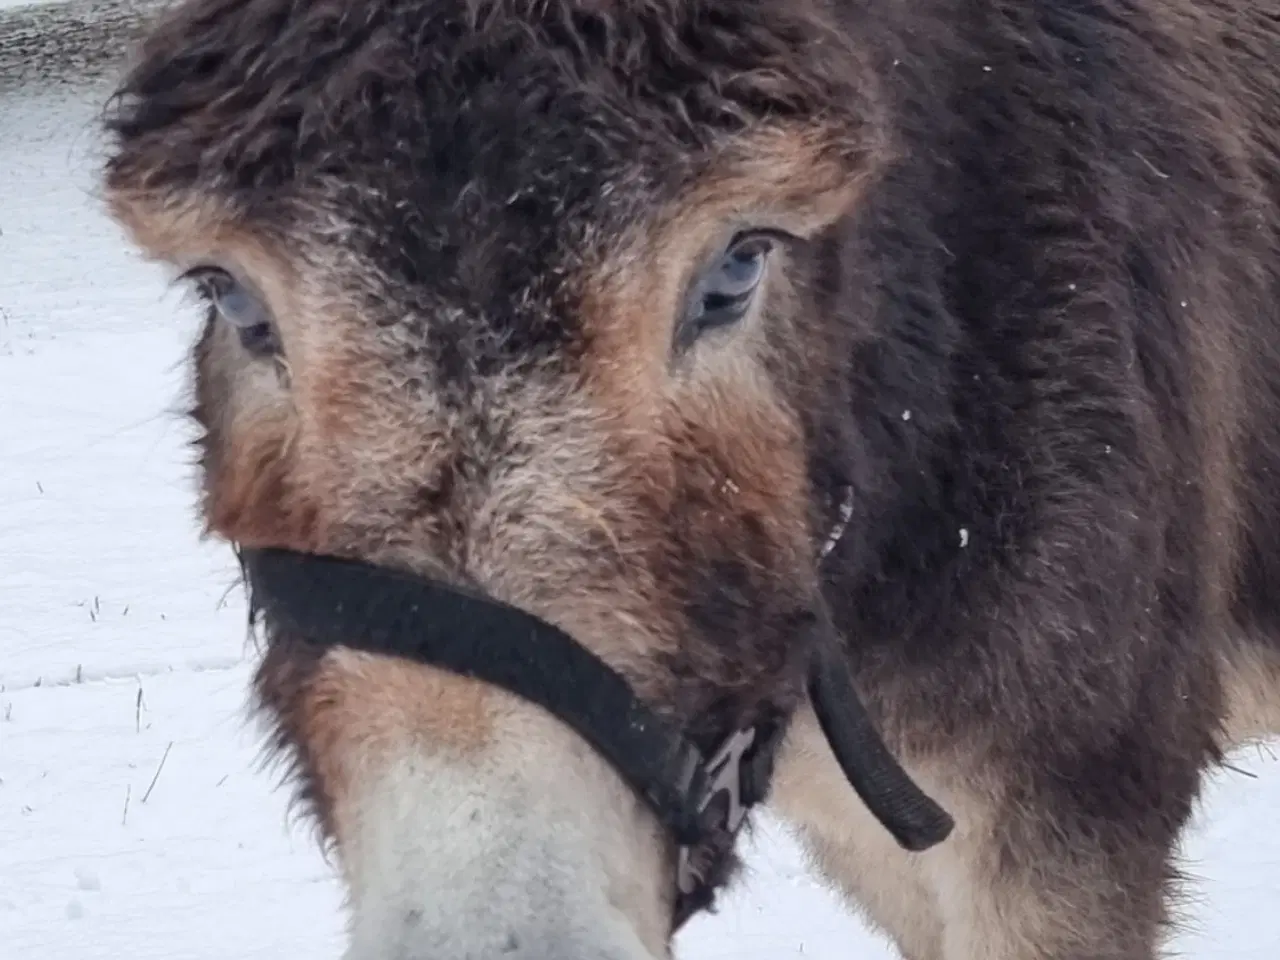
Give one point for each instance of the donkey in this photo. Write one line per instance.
(690, 331)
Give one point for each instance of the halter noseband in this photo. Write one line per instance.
(701, 801)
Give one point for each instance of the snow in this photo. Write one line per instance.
(134, 818)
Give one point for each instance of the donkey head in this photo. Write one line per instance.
(527, 297)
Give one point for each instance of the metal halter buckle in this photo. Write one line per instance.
(722, 776)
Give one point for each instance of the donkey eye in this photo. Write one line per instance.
(238, 307)
(723, 294)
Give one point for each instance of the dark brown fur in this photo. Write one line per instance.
(1034, 325)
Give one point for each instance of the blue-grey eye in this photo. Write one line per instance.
(723, 294)
(238, 307)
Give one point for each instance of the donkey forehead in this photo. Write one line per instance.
(484, 166)
(464, 123)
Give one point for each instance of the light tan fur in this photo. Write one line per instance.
(1251, 679)
(947, 903)
(440, 806)
(952, 903)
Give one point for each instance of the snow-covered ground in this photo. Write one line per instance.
(133, 818)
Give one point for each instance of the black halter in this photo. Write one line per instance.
(702, 801)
